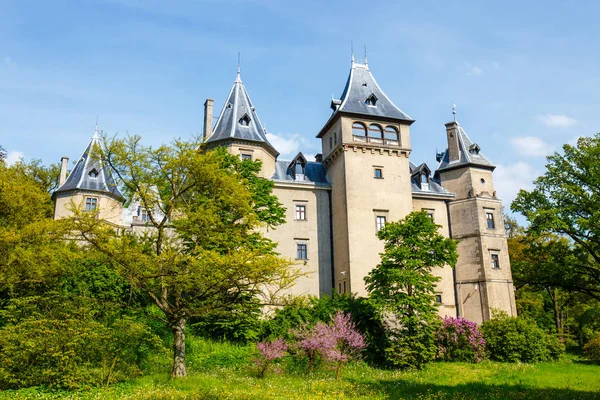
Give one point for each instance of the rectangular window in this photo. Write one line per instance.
(380, 222)
(339, 287)
(489, 216)
(300, 212)
(378, 173)
(91, 203)
(246, 156)
(301, 251)
(430, 213)
(495, 261)
(331, 142)
(334, 137)
(144, 215)
(344, 287)
(438, 298)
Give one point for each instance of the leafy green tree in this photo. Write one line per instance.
(202, 250)
(402, 286)
(566, 202)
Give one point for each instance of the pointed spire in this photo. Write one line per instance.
(96, 136)
(454, 110)
(238, 78)
(366, 62)
(352, 51)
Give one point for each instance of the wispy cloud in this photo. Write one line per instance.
(473, 69)
(509, 179)
(556, 120)
(289, 144)
(13, 156)
(531, 146)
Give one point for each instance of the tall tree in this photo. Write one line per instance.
(203, 251)
(402, 286)
(566, 202)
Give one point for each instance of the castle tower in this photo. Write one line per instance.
(89, 186)
(482, 276)
(239, 129)
(365, 149)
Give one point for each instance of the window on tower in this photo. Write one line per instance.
(371, 100)
(301, 251)
(375, 131)
(245, 120)
(300, 212)
(359, 129)
(93, 173)
(91, 204)
(489, 217)
(495, 260)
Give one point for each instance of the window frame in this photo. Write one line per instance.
(378, 224)
(246, 156)
(495, 259)
(438, 298)
(302, 251)
(356, 126)
(389, 130)
(377, 131)
(490, 219)
(91, 204)
(300, 211)
(376, 170)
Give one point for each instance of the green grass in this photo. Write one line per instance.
(220, 371)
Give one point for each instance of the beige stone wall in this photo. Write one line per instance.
(445, 287)
(258, 153)
(467, 182)
(314, 232)
(109, 209)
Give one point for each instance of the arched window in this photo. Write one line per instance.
(359, 129)
(375, 131)
(245, 120)
(93, 173)
(391, 133)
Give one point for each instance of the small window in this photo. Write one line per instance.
(334, 137)
(93, 173)
(91, 203)
(430, 213)
(438, 299)
(489, 216)
(380, 222)
(359, 129)
(331, 142)
(371, 101)
(246, 156)
(300, 212)
(424, 182)
(378, 173)
(340, 287)
(144, 216)
(375, 131)
(299, 172)
(301, 251)
(391, 133)
(344, 283)
(245, 120)
(495, 261)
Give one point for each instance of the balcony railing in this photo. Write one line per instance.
(378, 141)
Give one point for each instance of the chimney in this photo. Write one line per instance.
(453, 147)
(64, 161)
(208, 117)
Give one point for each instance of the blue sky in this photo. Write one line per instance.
(524, 77)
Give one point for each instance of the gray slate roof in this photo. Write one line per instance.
(314, 172)
(434, 186)
(466, 156)
(81, 176)
(238, 106)
(360, 86)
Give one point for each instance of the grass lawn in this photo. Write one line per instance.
(559, 380)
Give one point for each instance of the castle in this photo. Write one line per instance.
(336, 204)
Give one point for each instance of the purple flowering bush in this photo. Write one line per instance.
(459, 339)
(267, 353)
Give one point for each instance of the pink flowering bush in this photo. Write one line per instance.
(459, 339)
(267, 353)
(337, 342)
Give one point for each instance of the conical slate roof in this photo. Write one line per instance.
(90, 174)
(238, 118)
(469, 151)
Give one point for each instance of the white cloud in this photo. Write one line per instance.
(556, 120)
(13, 156)
(509, 179)
(531, 146)
(473, 69)
(289, 144)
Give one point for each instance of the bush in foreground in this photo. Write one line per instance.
(514, 339)
(459, 339)
(591, 350)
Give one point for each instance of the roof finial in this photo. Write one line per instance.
(454, 110)
(366, 62)
(352, 50)
(96, 130)
(239, 69)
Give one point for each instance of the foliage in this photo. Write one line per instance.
(348, 341)
(514, 339)
(566, 202)
(591, 350)
(459, 339)
(204, 252)
(267, 353)
(402, 286)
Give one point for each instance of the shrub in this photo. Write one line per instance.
(515, 339)
(591, 350)
(267, 353)
(458, 339)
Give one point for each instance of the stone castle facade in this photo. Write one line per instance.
(362, 179)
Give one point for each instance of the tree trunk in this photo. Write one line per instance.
(558, 320)
(178, 328)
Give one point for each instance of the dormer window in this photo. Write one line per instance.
(474, 149)
(298, 167)
(424, 182)
(371, 100)
(245, 120)
(93, 173)
(229, 105)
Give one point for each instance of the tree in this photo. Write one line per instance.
(566, 202)
(202, 250)
(403, 286)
